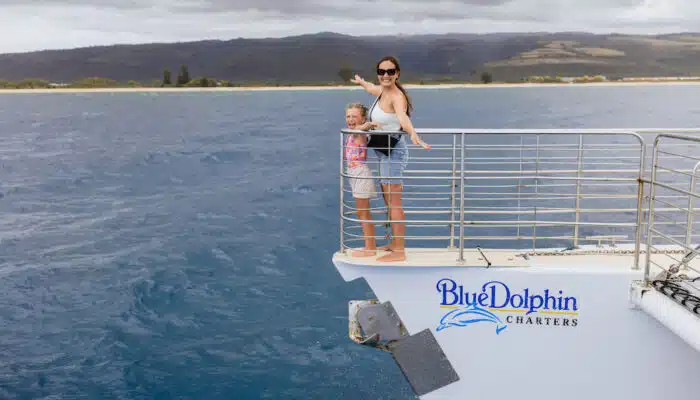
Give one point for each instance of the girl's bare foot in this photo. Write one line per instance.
(393, 256)
(363, 253)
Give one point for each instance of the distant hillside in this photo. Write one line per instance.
(318, 58)
(611, 55)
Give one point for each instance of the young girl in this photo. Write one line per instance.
(361, 180)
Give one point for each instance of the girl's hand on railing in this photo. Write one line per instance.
(367, 126)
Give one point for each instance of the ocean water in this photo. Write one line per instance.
(178, 245)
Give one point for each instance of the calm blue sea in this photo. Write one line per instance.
(178, 245)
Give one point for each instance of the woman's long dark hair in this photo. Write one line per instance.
(398, 85)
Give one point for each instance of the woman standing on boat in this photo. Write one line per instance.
(391, 110)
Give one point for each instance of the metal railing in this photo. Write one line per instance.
(675, 168)
(547, 187)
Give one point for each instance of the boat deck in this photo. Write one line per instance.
(590, 257)
(621, 256)
(437, 257)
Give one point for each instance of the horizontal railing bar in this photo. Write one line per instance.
(674, 171)
(552, 178)
(670, 222)
(677, 207)
(505, 225)
(532, 195)
(679, 155)
(500, 148)
(382, 206)
(531, 147)
(657, 213)
(466, 237)
(516, 161)
(529, 185)
(426, 198)
(472, 163)
(549, 211)
(667, 132)
(674, 241)
(530, 160)
(535, 196)
(673, 188)
(543, 198)
(407, 238)
(516, 172)
(359, 227)
(509, 223)
(421, 195)
(676, 135)
(443, 185)
(445, 131)
(682, 245)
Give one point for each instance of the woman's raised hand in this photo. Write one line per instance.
(357, 79)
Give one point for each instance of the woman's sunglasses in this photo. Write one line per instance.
(391, 71)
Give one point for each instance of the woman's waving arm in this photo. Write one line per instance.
(368, 86)
(400, 105)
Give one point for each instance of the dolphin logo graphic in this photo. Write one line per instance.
(469, 315)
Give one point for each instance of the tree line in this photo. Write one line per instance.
(182, 79)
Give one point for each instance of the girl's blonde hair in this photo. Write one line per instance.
(360, 106)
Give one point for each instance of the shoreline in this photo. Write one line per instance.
(338, 87)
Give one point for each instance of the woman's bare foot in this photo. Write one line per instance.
(363, 253)
(393, 256)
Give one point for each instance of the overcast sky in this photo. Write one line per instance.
(52, 24)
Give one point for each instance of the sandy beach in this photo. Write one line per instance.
(302, 88)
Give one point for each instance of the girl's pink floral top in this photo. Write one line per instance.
(355, 153)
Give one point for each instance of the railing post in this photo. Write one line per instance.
(689, 220)
(650, 223)
(537, 191)
(534, 230)
(461, 201)
(342, 201)
(640, 200)
(520, 183)
(454, 190)
(579, 171)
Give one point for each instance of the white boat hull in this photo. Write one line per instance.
(562, 327)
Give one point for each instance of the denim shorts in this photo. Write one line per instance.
(391, 167)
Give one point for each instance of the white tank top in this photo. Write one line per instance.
(388, 121)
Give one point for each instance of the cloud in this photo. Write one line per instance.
(75, 23)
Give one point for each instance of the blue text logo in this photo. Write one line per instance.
(496, 302)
